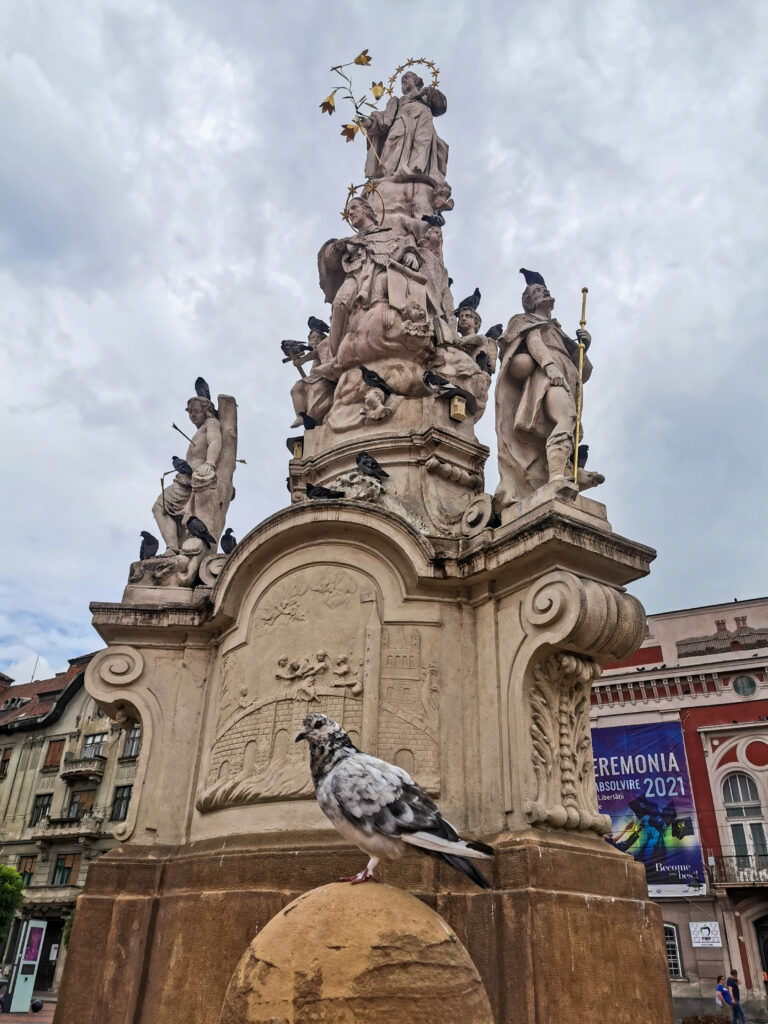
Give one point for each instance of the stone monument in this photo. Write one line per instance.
(453, 634)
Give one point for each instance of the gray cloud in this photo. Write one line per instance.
(167, 178)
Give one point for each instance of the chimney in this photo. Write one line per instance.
(741, 622)
(5, 682)
(719, 625)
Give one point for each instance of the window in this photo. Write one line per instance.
(95, 745)
(41, 807)
(53, 757)
(120, 803)
(133, 742)
(66, 869)
(26, 869)
(745, 815)
(5, 761)
(744, 686)
(81, 802)
(672, 943)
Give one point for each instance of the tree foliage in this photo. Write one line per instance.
(11, 897)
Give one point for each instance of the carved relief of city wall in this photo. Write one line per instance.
(317, 638)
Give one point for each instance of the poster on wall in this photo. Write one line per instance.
(643, 784)
(705, 934)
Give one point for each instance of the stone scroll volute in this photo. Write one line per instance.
(571, 627)
(115, 680)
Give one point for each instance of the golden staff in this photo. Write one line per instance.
(579, 398)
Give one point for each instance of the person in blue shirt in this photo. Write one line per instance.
(722, 991)
(736, 1011)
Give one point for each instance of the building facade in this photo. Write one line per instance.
(66, 776)
(680, 737)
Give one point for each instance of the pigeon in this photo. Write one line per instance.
(373, 380)
(435, 220)
(369, 466)
(484, 363)
(198, 529)
(495, 332)
(322, 492)
(293, 349)
(181, 466)
(378, 807)
(36, 1005)
(471, 302)
(582, 456)
(532, 277)
(309, 423)
(149, 546)
(318, 325)
(201, 389)
(434, 381)
(228, 541)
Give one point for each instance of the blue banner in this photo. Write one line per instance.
(643, 784)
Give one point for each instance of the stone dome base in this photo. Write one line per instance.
(363, 954)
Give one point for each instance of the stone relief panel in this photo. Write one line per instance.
(315, 643)
(408, 706)
(306, 650)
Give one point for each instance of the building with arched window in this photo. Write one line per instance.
(66, 781)
(680, 734)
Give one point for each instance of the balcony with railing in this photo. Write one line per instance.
(739, 869)
(82, 769)
(85, 826)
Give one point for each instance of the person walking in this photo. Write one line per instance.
(722, 993)
(737, 1013)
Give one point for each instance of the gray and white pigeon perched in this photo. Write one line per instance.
(369, 466)
(434, 381)
(582, 455)
(309, 422)
(181, 466)
(228, 541)
(317, 492)
(435, 220)
(495, 332)
(149, 546)
(198, 529)
(378, 807)
(201, 388)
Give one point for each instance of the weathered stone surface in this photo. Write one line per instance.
(356, 955)
(176, 920)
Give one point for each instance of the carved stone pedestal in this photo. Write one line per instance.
(469, 662)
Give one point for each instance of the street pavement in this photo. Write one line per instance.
(45, 1016)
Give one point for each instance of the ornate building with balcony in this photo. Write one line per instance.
(66, 779)
(702, 672)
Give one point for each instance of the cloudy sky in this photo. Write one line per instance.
(166, 179)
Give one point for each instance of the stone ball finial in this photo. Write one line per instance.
(343, 954)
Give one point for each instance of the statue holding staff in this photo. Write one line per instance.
(536, 398)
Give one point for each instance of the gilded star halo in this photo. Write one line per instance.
(412, 62)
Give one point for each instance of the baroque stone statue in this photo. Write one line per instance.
(536, 397)
(201, 491)
(403, 140)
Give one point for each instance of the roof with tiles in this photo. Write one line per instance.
(29, 704)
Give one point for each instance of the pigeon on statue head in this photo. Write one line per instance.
(532, 277)
(378, 807)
